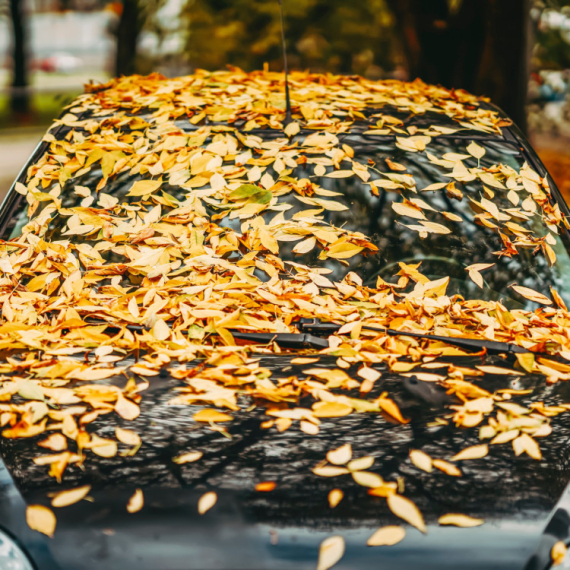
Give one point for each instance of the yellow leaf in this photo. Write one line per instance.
(558, 553)
(127, 409)
(340, 174)
(360, 463)
(329, 471)
(421, 460)
(407, 210)
(340, 455)
(473, 452)
(463, 521)
(66, 498)
(42, 519)
(331, 409)
(292, 129)
(305, 246)
(526, 444)
(475, 150)
(532, 295)
(330, 552)
(127, 436)
(335, 497)
(144, 187)
(367, 479)
(406, 510)
(387, 536)
(207, 501)
(210, 415)
(446, 467)
(188, 457)
(136, 502)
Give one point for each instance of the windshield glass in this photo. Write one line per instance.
(420, 207)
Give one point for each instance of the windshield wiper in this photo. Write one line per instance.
(491, 346)
(305, 339)
(284, 340)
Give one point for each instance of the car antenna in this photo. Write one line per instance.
(288, 117)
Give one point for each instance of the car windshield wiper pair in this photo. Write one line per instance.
(491, 346)
(312, 332)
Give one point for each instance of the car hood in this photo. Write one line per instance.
(523, 501)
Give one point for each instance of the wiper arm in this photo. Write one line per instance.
(491, 346)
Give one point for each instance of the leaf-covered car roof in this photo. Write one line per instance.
(155, 222)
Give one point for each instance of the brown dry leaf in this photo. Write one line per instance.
(558, 553)
(407, 510)
(387, 536)
(188, 457)
(532, 295)
(473, 452)
(42, 519)
(207, 501)
(335, 497)
(66, 498)
(463, 521)
(136, 502)
(421, 460)
(331, 551)
(341, 455)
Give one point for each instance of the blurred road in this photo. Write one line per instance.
(16, 146)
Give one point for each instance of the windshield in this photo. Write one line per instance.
(416, 207)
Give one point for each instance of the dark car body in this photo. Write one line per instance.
(525, 503)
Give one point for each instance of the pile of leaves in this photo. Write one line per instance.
(164, 271)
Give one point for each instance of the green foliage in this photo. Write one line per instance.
(322, 35)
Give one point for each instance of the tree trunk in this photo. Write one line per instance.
(127, 37)
(19, 98)
(504, 69)
(482, 47)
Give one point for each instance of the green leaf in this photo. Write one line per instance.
(244, 191)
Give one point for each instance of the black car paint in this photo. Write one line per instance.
(526, 504)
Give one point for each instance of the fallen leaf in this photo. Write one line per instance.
(407, 510)
(463, 521)
(42, 519)
(387, 536)
(330, 552)
(207, 501)
(136, 502)
(66, 498)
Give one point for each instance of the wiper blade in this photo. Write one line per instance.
(284, 340)
(491, 346)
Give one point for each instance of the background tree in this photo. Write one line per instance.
(19, 96)
(135, 15)
(478, 45)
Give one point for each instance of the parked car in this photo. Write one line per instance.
(231, 340)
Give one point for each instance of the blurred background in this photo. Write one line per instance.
(517, 52)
